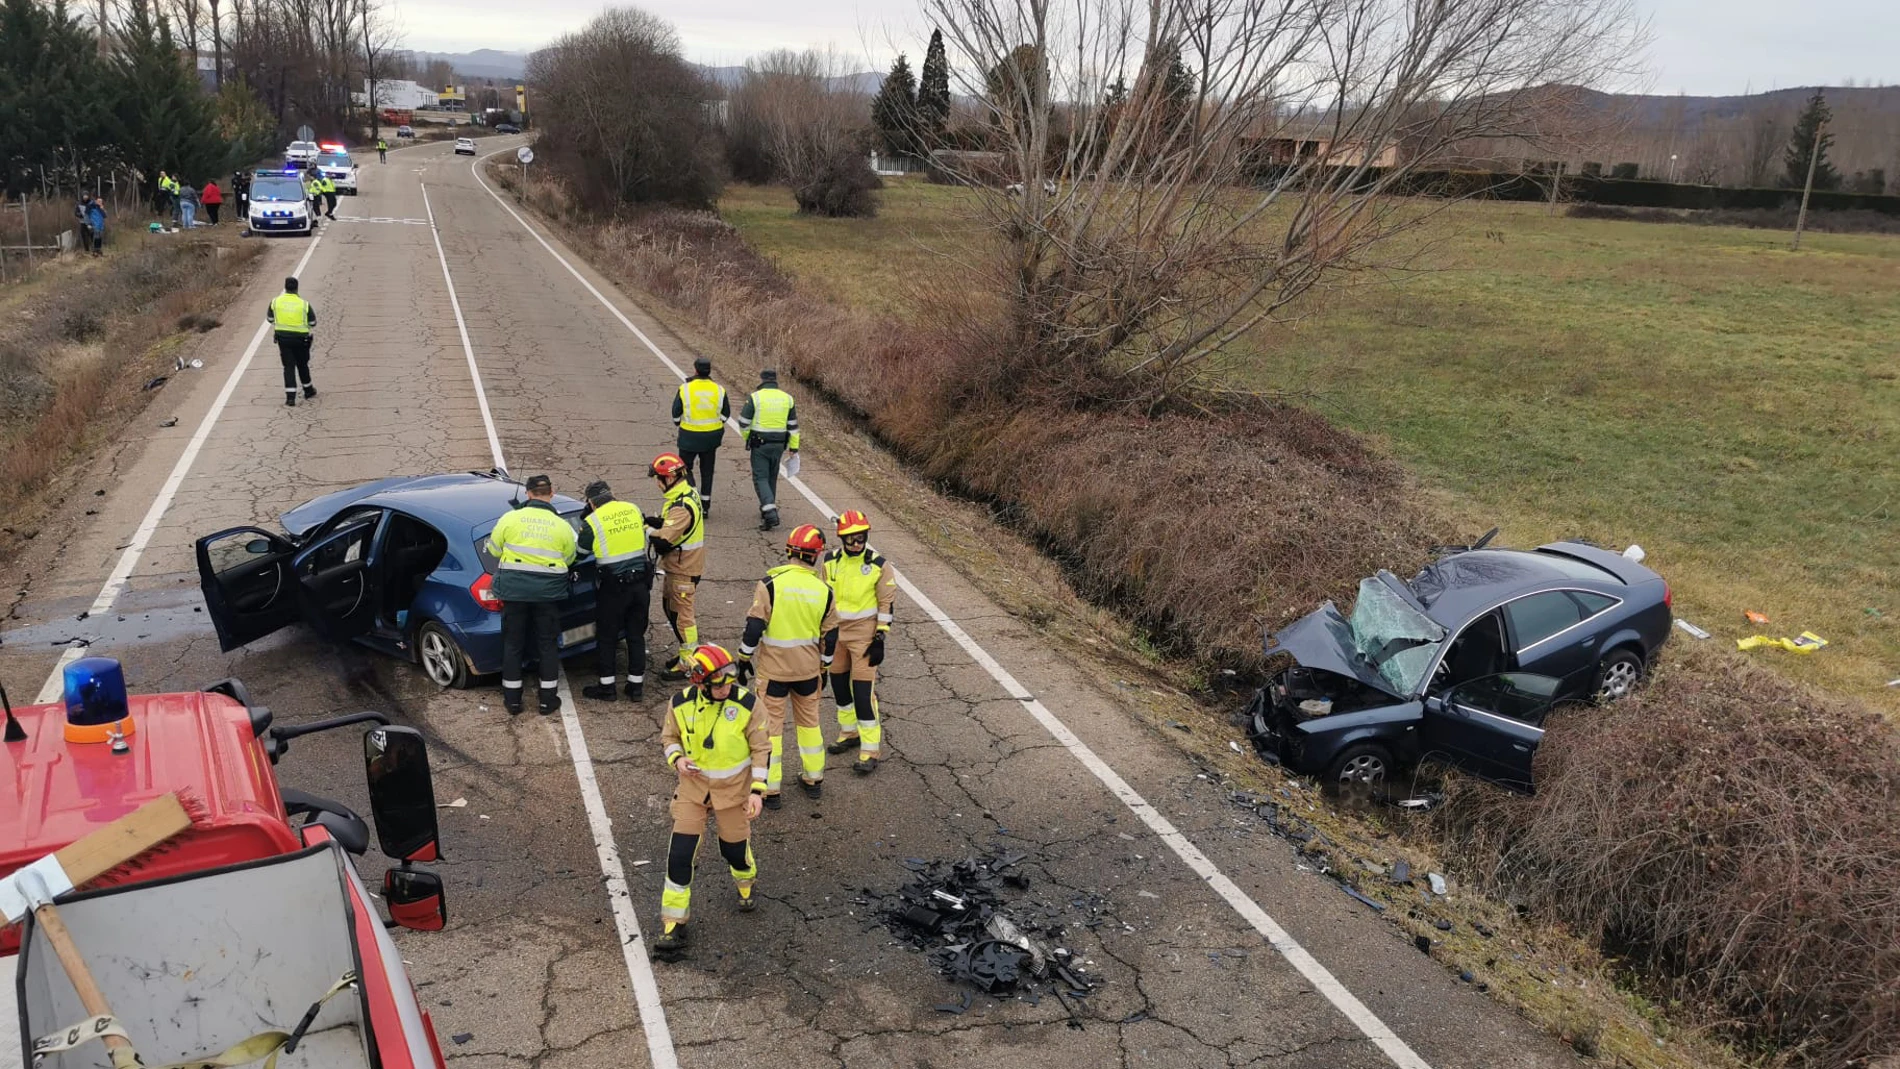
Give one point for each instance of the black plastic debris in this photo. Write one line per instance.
(462, 1037)
(956, 913)
(1401, 872)
(958, 1008)
(1355, 893)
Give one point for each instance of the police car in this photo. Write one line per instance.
(277, 203)
(335, 164)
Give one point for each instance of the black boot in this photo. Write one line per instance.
(600, 692)
(671, 945)
(636, 691)
(309, 391)
(814, 788)
(550, 701)
(845, 744)
(511, 700)
(290, 399)
(774, 801)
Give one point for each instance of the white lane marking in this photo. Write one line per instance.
(1322, 979)
(475, 373)
(128, 560)
(646, 987)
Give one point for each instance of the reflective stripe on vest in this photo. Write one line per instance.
(290, 314)
(798, 607)
(620, 533)
(700, 715)
(853, 581)
(682, 493)
(532, 539)
(700, 400)
(770, 409)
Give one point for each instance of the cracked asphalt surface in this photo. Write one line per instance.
(528, 973)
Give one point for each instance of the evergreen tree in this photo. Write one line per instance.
(894, 109)
(933, 94)
(53, 102)
(162, 119)
(1801, 147)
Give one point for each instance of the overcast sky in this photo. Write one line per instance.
(1704, 47)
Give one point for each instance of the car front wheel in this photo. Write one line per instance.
(442, 660)
(1617, 676)
(1364, 763)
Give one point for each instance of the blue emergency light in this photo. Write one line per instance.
(96, 704)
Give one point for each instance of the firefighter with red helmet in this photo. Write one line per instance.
(864, 589)
(715, 742)
(792, 627)
(680, 545)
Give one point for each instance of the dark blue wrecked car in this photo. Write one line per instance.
(1461, 664)
(400, 565)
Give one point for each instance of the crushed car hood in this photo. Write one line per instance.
(1322, 641)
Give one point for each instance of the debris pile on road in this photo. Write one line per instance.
(955, 912)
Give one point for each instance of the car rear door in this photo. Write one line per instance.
(1491, 727)
(338, 585)
(1547, 638)
(249, 589)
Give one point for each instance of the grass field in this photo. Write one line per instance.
(1730, 405)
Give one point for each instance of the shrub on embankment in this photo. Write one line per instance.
(1733, 834)
(1729, 836)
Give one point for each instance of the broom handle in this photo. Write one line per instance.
(93, 999)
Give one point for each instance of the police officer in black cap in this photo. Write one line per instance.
(616, 533)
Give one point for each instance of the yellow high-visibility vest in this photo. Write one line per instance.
(290, 314)
(700, 401)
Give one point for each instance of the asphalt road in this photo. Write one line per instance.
(1214, 949)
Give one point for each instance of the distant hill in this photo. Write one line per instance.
(865, 82)
(481, 63)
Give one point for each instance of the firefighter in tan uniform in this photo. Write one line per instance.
(680, 544)
(864, 589)
(715, 742)
(793, 627)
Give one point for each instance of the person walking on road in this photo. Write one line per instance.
(212, 198)
(328, 189)
(769, 422)
(382, 150)
(293, 320)
(713, 737)
(535, 549)
(700, 411)
(680, 543)
(795, 621)
(864, 587)
(616, 534)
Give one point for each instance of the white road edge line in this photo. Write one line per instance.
(455, 304)
(128, 560)
(1322, 979)
(646, 987)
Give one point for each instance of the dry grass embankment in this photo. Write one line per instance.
(81, 338)
(1728, 838)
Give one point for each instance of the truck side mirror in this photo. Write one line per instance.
(401, 794)
(415, 899)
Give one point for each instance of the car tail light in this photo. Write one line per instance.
(483, 589)
(1669, 598)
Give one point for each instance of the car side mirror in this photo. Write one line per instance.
(258, 546)
(416, 899)
(401, 793)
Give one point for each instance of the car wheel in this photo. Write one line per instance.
(442, 660)
(1365, 763)
(1617, 676)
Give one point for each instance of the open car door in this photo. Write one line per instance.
(249, 591)
(1491, 726)
(338, 585)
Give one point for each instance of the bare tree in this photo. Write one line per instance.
(808, 128)
(1763, 135)
(1173, 230)
(624, 115)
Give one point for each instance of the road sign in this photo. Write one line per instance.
(305, 133)
(524, 154)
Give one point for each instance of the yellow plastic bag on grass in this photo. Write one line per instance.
(1807, 643)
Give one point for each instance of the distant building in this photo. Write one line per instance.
(400, 94)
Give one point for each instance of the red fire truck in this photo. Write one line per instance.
(249, 931)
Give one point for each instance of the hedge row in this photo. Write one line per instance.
(1597, 189)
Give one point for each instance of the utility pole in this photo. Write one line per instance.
(1814, 157)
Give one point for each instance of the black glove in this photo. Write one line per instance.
(660, 547)
(875, 655)
(655, 521)
(745, 669)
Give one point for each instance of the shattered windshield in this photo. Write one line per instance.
(1397, 640)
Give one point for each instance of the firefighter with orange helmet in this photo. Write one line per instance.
(864, 588)
(680, 545)
(715, 742)
(792, 628)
